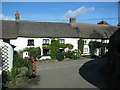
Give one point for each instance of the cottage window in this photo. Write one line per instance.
(6, 40)
(31, 42)
(85, 42)
(45, 41)
(62, 41)
(46, 52)
(85, 50)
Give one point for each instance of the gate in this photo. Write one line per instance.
(6, 57)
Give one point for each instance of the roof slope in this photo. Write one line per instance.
(94, 30)
(45, 29)
(9, 29)
(14, 29)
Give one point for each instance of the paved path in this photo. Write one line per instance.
(63, 74)
(60, 75)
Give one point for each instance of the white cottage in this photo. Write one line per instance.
(24, 34)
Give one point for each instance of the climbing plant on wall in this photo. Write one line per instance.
(54, 48)
(80, 44)
(94, 45)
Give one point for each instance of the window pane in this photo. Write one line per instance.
(30, 42)
(62, 41)
(45, 41)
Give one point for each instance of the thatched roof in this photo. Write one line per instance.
(14, 29)
(94, 30)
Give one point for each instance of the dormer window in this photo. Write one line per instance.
(30, 42)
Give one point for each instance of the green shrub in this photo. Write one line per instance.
(73, 54)
(69, 54)
(34, 52)
(76, 54)
(60, 56)
(23, 72)
(69, 46)
(20, 63)
(6, 76)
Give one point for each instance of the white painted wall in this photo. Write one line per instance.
(1, 40)
(21, 43)
(86, 48)
(73, 41)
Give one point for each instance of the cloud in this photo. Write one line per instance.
(78, 12)
(3, 17)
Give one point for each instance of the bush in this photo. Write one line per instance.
(34, 52)
(19, 64)
(6, 76)
(76, 54)
(60, 56)
(23, 72)
(69, 54)
(73, 54)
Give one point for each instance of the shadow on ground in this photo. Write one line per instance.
(92, 71)
(32, 82)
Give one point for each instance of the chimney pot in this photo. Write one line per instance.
(17, 16)
(72, 20)
(103, 22)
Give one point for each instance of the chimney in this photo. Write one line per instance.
(104, 22)
(72, 20)
(17, 16)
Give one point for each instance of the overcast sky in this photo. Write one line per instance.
(85, 12)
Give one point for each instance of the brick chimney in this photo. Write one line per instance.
(17, 16)
(72, 20)
(104, 22)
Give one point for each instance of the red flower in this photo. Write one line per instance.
(33, 69)
(34, 72)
